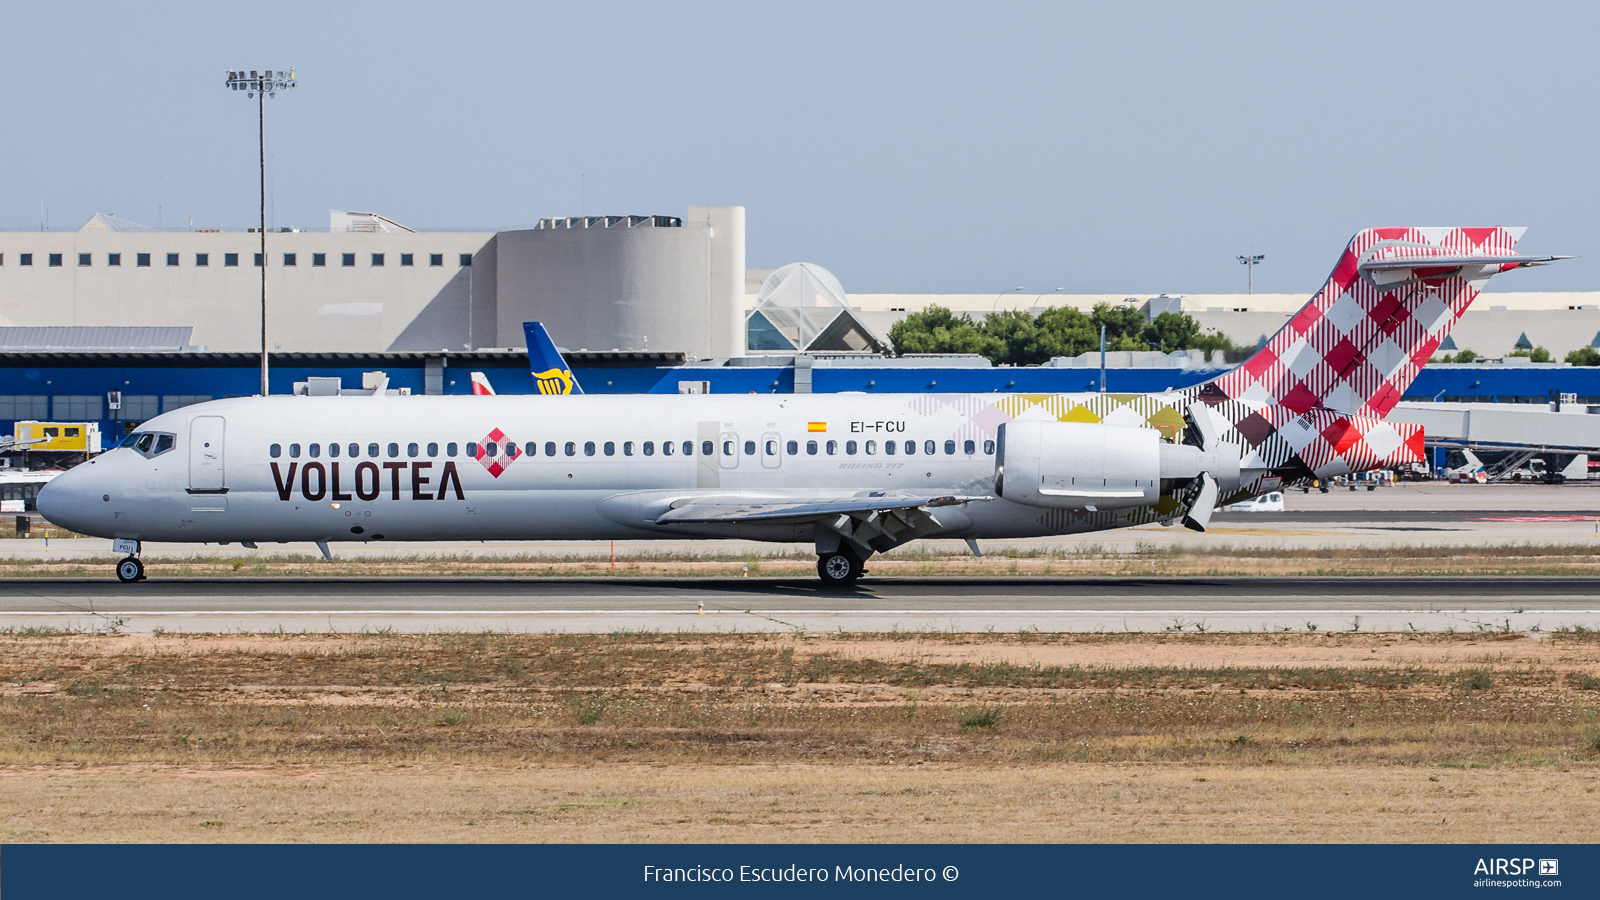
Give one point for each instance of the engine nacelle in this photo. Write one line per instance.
(1073, 465)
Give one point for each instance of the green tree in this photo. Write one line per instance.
(938, 330)
(1537, 354)
(1124, 326)
(1584, 356)
(1171, 331)
(1065, 331)
(1465, 356)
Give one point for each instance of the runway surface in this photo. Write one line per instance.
(758, 604)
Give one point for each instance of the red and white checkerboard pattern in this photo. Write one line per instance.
(1357, 346)
(1311, 401)
(495, 453)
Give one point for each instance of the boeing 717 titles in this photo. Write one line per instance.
(853, 474)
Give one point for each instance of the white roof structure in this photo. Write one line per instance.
(802, 306)
(103, 222)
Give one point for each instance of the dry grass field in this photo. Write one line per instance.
(910, 737)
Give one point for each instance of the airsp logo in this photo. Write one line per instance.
(1549, 867)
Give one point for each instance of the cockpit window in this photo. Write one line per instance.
(149, 443)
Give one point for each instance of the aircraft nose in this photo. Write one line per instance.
(65, 501)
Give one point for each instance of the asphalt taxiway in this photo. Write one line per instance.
(761, 604)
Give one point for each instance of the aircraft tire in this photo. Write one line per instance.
(838, 569)
(130, 570)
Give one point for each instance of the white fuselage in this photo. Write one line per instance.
(584, 467)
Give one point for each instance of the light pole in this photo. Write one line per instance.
(1041, 296)
(996, 304)
(259, 86)
(1250, 262)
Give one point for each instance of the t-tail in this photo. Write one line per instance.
(1310, 402)
(550, 372)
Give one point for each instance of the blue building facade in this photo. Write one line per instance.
(75, 386)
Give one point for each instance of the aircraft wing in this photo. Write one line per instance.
(730, 510)
(869, 521)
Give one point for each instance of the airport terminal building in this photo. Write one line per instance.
(117, 322)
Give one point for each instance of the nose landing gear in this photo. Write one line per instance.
(130, 570)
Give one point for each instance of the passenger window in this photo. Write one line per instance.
(433, 450)
(872, 447)
(511, 450)
(627, 448)
(727, 448)
(588, 448)
(472, 449)
(164, 443)
(450, 449)
(333, 450)
(772, 448)
(275, 451)
(988, 448)
(611, 448)
(928, 448)
(888, 447)
(353, 451)
(911, 447)
(666, 448)
(688, 448)
(833, 448)
(491, 449)
(949, 448)
(749, 448)
(649, 448)
(811, 448)
(52, 432)
(550, 448)
(412, 450)
(970, 448)
(394, 450)
(314, 451)
(572, 449)
(294, 451)
(73, 432)
(532, 449)
(849, 448)
(372, 450)
(793, 448)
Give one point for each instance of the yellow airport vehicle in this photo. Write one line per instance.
(57, 437)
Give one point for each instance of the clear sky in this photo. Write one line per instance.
(910, 147)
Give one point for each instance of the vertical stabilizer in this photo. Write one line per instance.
(550, 372)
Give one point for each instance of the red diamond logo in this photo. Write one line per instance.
(495, 453)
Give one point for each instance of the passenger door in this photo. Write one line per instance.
(771, 450)
(206, 471)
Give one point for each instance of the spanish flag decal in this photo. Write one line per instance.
(817, 426)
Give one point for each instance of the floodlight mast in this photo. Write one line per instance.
(1250, 262)
(259, 86)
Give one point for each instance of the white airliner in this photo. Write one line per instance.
(855, 474)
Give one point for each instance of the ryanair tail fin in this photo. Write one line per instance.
(550, 372)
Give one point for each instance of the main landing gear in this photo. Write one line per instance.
(839, 569)
(130, 570)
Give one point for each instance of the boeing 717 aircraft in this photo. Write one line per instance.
(853, 474)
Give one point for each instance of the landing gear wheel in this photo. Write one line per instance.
(838, 569)
(130, 570)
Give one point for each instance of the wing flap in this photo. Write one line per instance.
(732, 510)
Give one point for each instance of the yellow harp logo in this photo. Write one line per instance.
(554, 381)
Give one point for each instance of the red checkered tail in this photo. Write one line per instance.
(1393, 297)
